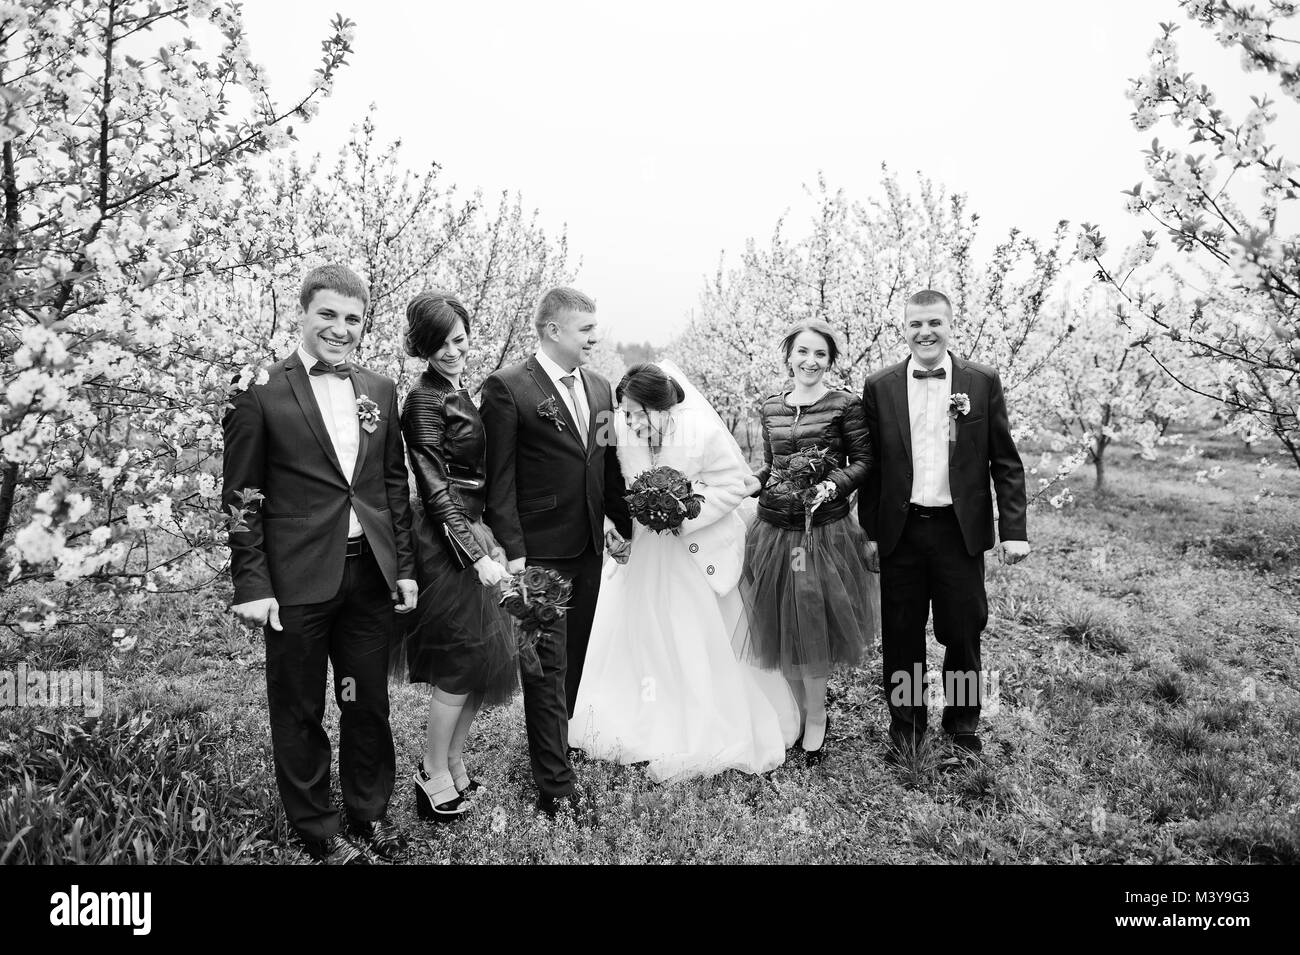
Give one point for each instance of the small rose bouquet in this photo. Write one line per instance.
(662, 499)
(549, 410)
(803, 471)
(368, 412)
(536, 597)
(958, 406)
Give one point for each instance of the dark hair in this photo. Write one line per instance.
(430, 318)
(558, 300)
(929, 297)
(647, 383)
(333, 278)
(812, 325)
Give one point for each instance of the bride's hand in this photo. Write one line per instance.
(617, 545)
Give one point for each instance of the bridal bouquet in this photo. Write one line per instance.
(803, 471)
(535, 597)
(661, 499)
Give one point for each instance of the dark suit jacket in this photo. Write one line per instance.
(547, 497)
(983, 450)
(295, 545)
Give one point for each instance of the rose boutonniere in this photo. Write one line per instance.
(368, 412)
(548, 410)
(958, 406)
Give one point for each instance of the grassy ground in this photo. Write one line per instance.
(1147, 711)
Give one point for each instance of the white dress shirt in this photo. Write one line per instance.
(579, 393)
(337, 401)
(927, 410)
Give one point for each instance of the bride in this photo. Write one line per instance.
(662, 683)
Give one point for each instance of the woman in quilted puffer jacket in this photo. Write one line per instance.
(811, 600)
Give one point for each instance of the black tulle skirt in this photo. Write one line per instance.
(459, 639)
(812, 602)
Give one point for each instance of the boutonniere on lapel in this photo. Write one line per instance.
(368, 413)
(551, 412)
(958, 406)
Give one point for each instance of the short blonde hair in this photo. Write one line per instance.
(333, 278)
(557, 300)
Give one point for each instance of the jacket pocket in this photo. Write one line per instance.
(535, 505)
(286, 517)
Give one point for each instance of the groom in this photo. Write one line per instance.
(939, 435)
(551, 481)
(319, 564)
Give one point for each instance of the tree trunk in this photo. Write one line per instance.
(1099, 465)
(8, 484)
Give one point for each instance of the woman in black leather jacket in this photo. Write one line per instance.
(811, 600)
(462, 641)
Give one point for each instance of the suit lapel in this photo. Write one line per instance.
(591, 410)
(902, 413)
(543, 382)
(363, 436)
(960, 386)
(301, 385)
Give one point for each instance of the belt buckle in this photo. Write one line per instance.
(355, 548)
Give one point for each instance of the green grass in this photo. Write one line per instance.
(1146, 655)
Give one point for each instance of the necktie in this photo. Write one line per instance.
(577, 408)
(932, 373)
(342, 369)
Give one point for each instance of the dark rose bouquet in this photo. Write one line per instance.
(661, 499)
(803, 471)
(536, 597)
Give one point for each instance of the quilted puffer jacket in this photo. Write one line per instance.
(836, 421)
(447, 447)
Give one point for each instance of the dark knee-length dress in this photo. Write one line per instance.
(461, 639)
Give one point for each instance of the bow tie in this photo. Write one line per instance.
(932, 373)
(342, 369)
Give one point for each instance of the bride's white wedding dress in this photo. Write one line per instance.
(662, 683)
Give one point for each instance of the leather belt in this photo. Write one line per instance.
(921, 510)
(357, 546)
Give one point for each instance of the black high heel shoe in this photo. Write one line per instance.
(815, 756)
(427, 809)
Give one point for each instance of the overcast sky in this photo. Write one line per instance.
(665, 134)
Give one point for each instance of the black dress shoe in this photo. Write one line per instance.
(337, 849)
(965, 750)
(384, 838)
(553, 805)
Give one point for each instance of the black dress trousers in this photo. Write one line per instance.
(549, 697)
(352, 632)
(929, 569)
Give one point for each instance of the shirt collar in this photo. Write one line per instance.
(946, 365)
(308, 360)
(554, 370)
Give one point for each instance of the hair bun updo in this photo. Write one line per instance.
(651, 386)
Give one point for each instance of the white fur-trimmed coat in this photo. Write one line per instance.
(711, 460)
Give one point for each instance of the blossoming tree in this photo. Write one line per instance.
(1108, 390)
(123, 126)
(854, 269)
(1222, 198)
